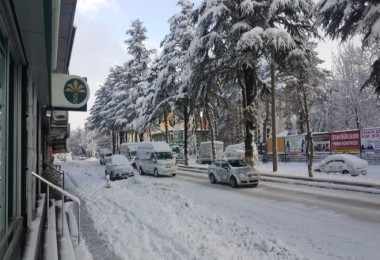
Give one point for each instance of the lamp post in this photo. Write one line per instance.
(201, 115)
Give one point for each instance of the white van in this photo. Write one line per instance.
(205, 151)
(129, 150)
(155, 158)
(104, 155)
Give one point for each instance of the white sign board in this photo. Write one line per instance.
(69, 91)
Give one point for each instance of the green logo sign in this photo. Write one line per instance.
(75, 91)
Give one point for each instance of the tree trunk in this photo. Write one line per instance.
(265, 130)
(274, 130)
(211, 131)
(250, 81)
(310, 146)
(113, 142)
(166, 127)
(185, 134)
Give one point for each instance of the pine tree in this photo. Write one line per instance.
(130, 92)
(231, 38)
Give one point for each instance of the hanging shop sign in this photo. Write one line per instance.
(69, 92)
(59, 146)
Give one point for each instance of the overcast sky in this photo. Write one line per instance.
(99, 40)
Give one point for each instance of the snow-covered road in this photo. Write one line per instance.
(186, 217)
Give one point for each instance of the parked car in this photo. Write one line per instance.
(233, 171)
(104, 155)
(118, 166)
(343, 163)
(179, 158)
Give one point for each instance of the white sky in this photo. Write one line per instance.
(101, 27)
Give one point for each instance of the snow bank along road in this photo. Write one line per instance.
(186, 217)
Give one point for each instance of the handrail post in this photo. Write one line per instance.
(78, 219)
(64, 193)
(63, 212)
(47, 205)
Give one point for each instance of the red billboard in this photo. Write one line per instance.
(345, 141)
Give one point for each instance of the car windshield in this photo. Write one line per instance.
(237, 163)
(164, 155)
(119, 160)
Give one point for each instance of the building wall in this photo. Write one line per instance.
(13, 137)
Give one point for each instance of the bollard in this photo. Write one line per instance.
(108, 185)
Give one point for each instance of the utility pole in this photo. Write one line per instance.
(274, 137)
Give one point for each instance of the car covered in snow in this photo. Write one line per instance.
(343, 163)
(118, 166)
(233, 171)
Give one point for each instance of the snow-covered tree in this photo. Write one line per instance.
(102, 114)
(232, 36)
(343, 19)
(165, 92)
(77, 144)
(302, 65)
(130, 92)
(349, 106)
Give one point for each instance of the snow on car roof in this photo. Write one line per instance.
(215, 142)
(160, 146)
(354, 160)
(240, 146)
(118, 159)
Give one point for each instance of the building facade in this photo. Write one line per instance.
(36, 39)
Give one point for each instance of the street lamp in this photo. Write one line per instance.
(201, 115)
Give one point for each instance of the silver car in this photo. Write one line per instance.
(343, 163)
(118, 166)
(233, 171)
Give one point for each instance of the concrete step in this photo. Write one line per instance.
(65, 245)
(51, 246)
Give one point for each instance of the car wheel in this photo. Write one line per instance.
(155, 172)
(345, 172)
(212, 178)
(141, 171)
(233, 182)
(317, 170)
(173, 174)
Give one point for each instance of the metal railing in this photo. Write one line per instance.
(56, 168)
(64, 193)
